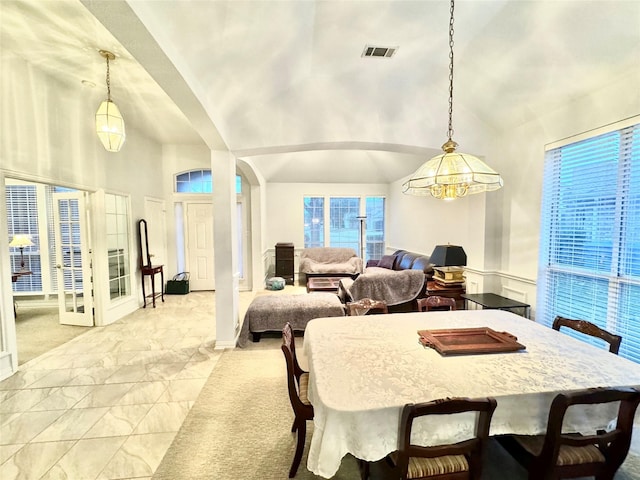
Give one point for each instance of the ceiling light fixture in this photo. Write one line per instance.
(452, 175)
(109, 121)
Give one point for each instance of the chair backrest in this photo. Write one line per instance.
(367, 306)
(471, 448)
(436, 303)
(589, 328)
(614, 444)
(294, 371)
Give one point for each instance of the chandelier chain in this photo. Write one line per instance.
(108, 80)
(450, 130)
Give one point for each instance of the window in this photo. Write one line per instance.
(343, 223)
(590, 235)
(344, 229)
(313, 222)
(22, 218)
(117, 214)
(375, 228)
(199, 181)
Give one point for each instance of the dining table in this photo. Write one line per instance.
(364, 369)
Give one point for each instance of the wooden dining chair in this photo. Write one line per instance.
(298, 382)
(590, 329)
(558, 455)
(457, 461)
(435, 302)
(367, 306)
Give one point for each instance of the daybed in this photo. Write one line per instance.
(329, 260)
(269, 313)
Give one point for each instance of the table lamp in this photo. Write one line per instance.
(21, 240)
(448, 261)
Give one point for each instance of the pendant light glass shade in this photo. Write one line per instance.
(452, 175)
(109, 121)
(110, 126)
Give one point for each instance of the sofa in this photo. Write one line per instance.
(399, 279)
(329, 260)
(402, 260)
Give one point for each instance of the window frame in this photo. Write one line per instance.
(374, 248)
(588, 265)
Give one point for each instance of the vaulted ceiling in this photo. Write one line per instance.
(284, 83)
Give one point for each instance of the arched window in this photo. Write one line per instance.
(199, 181)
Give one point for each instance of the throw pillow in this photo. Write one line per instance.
(387, 261)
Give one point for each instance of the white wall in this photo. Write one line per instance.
(418, 224)
(47, 135)
(520, 152)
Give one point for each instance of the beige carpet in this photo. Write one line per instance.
(240, 425)
(240, 428)
(38, 331)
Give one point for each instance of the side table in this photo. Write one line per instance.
(496, 302)
(151, 271)
(451, 291)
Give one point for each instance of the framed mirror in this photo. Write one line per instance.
(143, 245)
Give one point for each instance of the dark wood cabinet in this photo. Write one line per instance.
(285, 262)
(451, 291)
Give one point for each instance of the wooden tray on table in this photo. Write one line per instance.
(457, 341)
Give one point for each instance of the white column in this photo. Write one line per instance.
(223, 170)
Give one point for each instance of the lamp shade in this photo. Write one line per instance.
(110, 126)
(448, 256)
(21, 240)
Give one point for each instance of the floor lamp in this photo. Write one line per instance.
(362, 236)
(20, 241)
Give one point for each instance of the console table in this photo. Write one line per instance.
(151, 271)
(14, 278)
(146, 268)
(496, 302)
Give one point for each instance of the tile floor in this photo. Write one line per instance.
(107, 404)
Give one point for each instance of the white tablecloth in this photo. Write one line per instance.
(364, 369)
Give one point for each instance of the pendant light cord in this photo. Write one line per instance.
(109, 85)
(450, 131)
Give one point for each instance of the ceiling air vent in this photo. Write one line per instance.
(378, 51)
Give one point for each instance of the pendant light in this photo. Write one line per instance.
(109, 121)
(453, 174)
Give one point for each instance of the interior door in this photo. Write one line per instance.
(200, 246)
(73, 259)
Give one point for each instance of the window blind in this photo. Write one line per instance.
(22, 218)
(590, 235)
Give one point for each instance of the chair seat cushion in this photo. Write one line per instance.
(420, 467)
(304, 388)
(568, 455)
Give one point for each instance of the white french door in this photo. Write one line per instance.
(73, 255)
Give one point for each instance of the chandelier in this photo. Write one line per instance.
(109, 121)
(452, 174)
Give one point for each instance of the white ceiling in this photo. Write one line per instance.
(283, 83)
